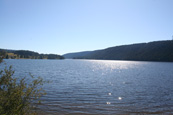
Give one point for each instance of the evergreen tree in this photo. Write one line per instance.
(7, 57)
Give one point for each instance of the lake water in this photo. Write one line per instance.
(102, 87)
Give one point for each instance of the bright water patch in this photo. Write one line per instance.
(102, 87)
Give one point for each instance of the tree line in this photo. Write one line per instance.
(24, 54)
(152, 51)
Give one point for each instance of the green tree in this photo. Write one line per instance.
(17, 94)
(7, 56)
(2, 55)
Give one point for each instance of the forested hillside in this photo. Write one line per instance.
(25, 54)
(76, 55)
(152, 51)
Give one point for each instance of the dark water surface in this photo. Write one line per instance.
(102, 87)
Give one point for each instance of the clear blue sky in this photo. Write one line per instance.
(63, 26)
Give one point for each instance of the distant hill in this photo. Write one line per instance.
(76, 55)
(152, 51)
(25, 54)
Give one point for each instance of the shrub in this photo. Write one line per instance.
(17, 94)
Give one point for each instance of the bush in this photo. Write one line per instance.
(17, 95)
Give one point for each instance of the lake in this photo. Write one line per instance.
(102, 87)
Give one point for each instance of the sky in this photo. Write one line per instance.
(65, 26)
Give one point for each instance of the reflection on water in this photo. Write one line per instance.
(120, 98)
(102, 87)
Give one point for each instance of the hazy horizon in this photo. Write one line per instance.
(63, 26)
